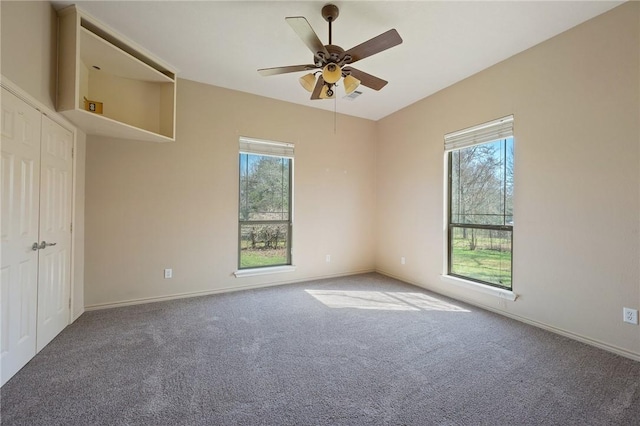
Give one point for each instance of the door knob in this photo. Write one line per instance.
(45, 244)
(35, 246)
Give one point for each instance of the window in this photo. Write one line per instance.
(266, 170)
(480, 194)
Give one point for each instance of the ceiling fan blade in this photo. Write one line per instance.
(375, 45)
(318, 88)
(302, 27)
(283, 70)
(368, 80)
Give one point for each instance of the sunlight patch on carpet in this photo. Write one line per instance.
(382, 300)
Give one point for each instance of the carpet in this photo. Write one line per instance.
(358, 350)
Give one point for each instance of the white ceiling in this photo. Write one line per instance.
(224, 43)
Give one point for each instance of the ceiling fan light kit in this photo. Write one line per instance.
(327, 93)
(350, 84)
(333, 61)
(308, 81)
(331, 73)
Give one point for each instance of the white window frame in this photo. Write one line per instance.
(263, 147)
(501, 128)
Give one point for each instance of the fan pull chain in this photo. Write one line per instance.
(335, 115)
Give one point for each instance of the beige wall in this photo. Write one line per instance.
(175, 205)
(29, 47)
(576, 205)
(576, 248)
(28, 60)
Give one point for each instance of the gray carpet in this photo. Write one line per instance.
(358, 350)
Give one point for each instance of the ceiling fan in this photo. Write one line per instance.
(333, 61)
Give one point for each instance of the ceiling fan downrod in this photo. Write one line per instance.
(330, 34)
(330, 13)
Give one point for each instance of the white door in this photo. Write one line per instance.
(54, 280)
(36, 179)
(20, 175)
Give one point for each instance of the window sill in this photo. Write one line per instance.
(263, 271)
(487, 289)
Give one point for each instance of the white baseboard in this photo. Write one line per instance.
(580, 338)
(143, 300)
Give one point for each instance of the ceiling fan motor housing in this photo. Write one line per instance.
(336, 56)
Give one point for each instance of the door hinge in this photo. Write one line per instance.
(69, 303)
(71, 227)
(72, 152)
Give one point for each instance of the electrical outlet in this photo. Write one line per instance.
(402, 260)
(168, 273)
(630, 315)
(327, 258)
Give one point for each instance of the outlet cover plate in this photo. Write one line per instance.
(630, 315)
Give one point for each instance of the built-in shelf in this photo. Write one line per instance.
(95, 51)
(137, 91)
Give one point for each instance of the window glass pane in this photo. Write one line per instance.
(509, 182)
(481, 254)
(264, 213)
(264, 245)
(482, 184)
(481, 207)
(264, 187)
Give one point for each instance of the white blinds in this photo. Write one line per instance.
(501, 128)
(261, 147)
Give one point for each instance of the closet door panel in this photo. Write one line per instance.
(55, 231)
(19, 197)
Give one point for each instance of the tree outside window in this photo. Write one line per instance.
(481, 212)
(265, 211)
